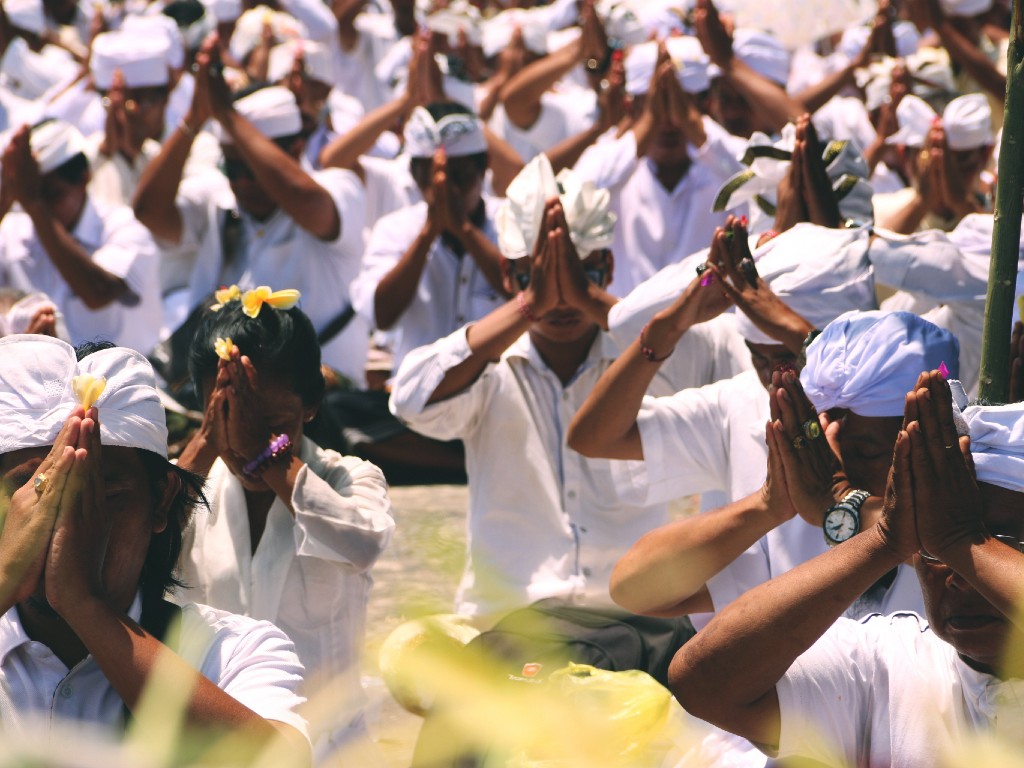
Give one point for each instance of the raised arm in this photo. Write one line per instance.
(521, 95)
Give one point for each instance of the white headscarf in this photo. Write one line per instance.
(54, 142)
(967, 121)
(36, 394)
(459, 134)
(997, 440)
(272, 110)
(142, 58)
(867, 361)
(591, 223)
(687, 56)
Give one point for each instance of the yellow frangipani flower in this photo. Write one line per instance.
(224, 295)
(88, 388)
(224, 348)
(253, 301)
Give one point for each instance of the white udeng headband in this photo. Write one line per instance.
(36, 394)
(460, 135)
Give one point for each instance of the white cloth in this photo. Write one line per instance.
(655, 226)
(250, 660)
(309, 575)
(564, 112)
(141, 59)
(458, 134)
(997, 444)
(888, 692)
(273, 111)
(543, 520)
(357, 69)
(37, 392)
(967, 121)
(275, 252)
(688, 58)
(55, 142)
(115, 241)
(452, 290)
(867, 361)
(389, 186)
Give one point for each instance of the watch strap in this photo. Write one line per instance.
(851, 502)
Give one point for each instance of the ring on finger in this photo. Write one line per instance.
(799, 442)
(40, 483)
(811, 428)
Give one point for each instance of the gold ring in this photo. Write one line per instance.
(40, 483)
(812, 428)
(799, 442)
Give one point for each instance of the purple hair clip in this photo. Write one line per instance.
(943, 370)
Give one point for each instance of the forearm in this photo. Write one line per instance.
(88, 281)
(568, 151)
(281, 477)
(485, 255)
(814, 97)
(199, 455)
(671, 564)
(396, 290)
(505, 163)
(488, 339)
(346, 149)
(597, 304)
(346, 12)
(292, 189)
(972, 59)
(769, 101)
(728, 672)
(154, 202)
(907, 219)
(522, 94)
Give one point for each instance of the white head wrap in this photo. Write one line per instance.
(929, 70)
(459, 134)
(29, 75)
(965, 7)
(156, 24)
(26, 14)
(622, 22)
(36, 394)
(223, 11)
(316, 60)
(249, 30)
(819, 272)
(762, 52)
(458, 16)
(519, 219)
(142, 59)
(997, 439)
(54, 142)
(496, 32)
(690, 61)
(868, 361)
(967, 121)
(855, 38)
(273, 110)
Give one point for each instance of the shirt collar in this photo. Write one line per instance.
(603, 348)
(89, 229)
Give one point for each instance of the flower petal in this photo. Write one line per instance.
(88, 388)
(283, 299)
(223, 348)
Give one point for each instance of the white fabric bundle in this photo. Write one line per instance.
(591, 223)
(622, 22)
(496, 32)
(855, 38)
(18, 318)
(458, 16)
(26, 14)
(866, 362)
(36, 394)
(316, 60)
(967, 121)
(460, 134)
(142, 59)
(29, 75)
(965, 7)
(931, 77)
(819, 272)
(152, 24)
(223, 11)
(691, 63)
(762, 52)
(272, 110)
(249, 29)
(54, 142)
(997, 443)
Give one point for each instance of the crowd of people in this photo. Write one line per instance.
(600, 254)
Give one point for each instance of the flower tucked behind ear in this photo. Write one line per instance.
(224, 348)
(224, 295)
(88, 389)
(253, 301)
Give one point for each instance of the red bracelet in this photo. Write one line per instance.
(524, 308)
(648, 352)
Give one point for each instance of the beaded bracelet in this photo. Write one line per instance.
(648, 352)
(524, 308)
(279, 445)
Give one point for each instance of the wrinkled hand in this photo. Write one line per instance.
(714, 36)
(44, 322)
(247, 430)
(822, 208)
(446, 210)
(682, 108)
(26, 526)
(573, 285)
(74, 563)
(593, 38)
(213, 430)
(117, 135)
(947, 501)
(513, 56)
(897, 524)
(814, 473)
(775, 494)
(201, 108)
(612, 100)
(542, 293)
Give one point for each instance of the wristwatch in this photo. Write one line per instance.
(842, 519)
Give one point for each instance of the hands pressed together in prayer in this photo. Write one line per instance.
(805, 194)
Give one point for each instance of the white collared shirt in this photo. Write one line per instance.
(310, 574)
(888, 692)
(452, 290)
(115, 241)
(251, 660)
(543, 520)
(275, 252)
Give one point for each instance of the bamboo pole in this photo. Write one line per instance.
(1002, 276)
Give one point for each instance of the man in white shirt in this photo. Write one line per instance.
(96, 262)
(89, 546)
(778, 668)
(265, 221)
(543, 521)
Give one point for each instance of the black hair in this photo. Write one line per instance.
(281, 343)
(164, 547)
(184, 12)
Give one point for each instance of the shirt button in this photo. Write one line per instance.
(66, 691)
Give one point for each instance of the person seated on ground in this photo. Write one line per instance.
(93, 527)
(781, 668)
(944, 156)
(96, 262)
(821, 488)
(515, 378)
(265, 221)
(301, 526)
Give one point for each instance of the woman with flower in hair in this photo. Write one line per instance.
(293, 529)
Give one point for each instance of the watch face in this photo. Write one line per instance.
(841, 524)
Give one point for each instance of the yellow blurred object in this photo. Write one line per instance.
(88, 388)
(224, 348)
(253, 301)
